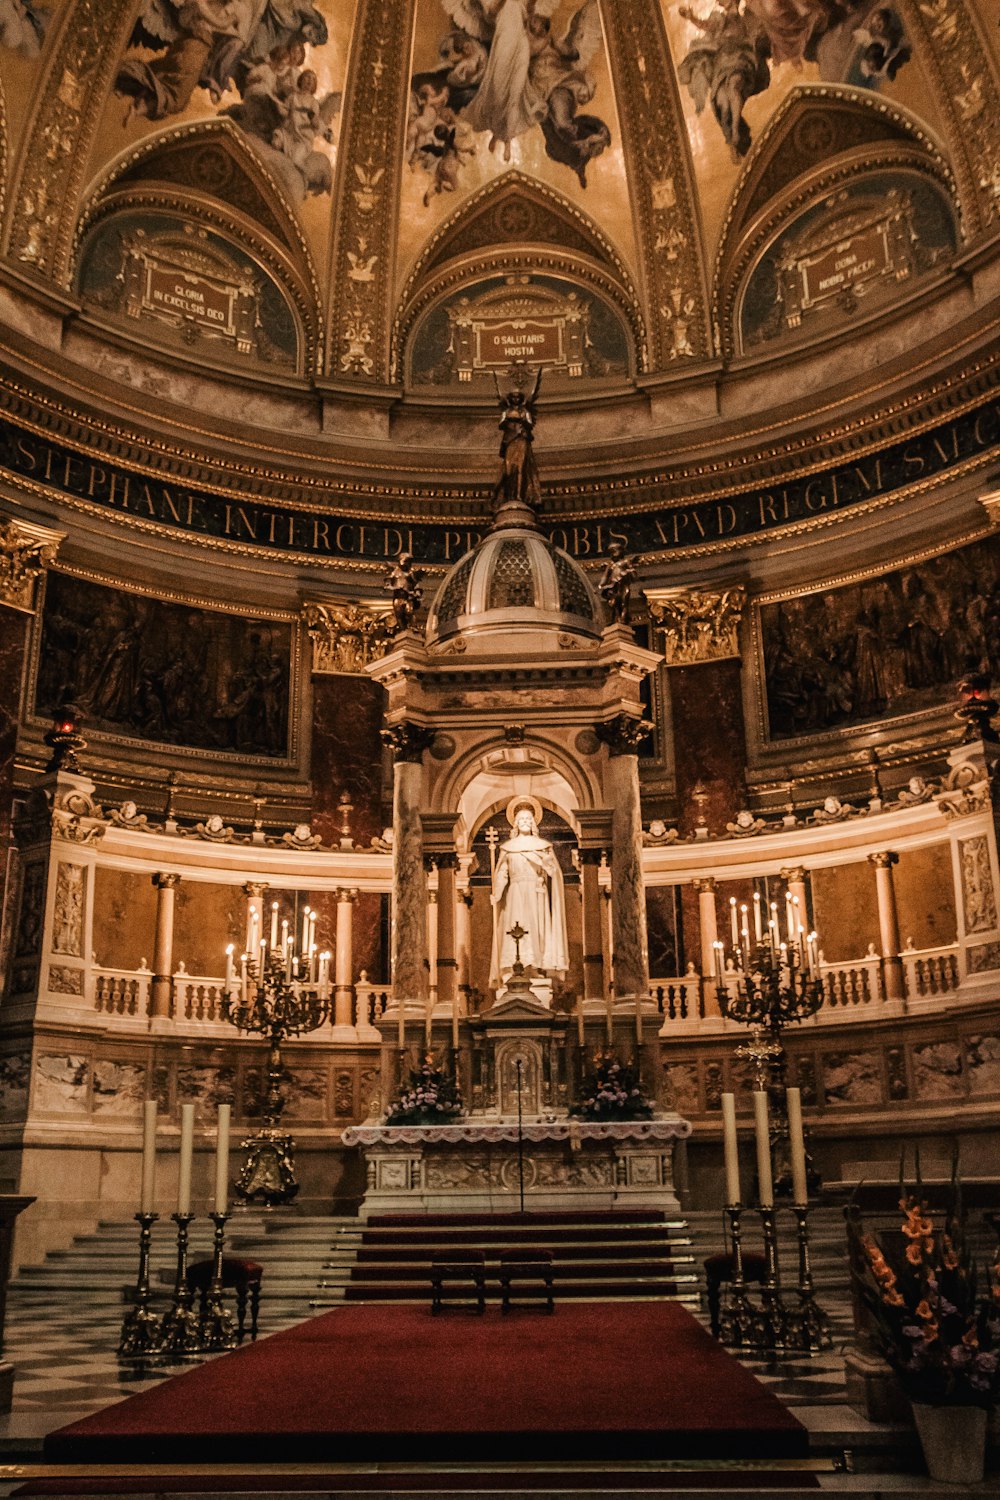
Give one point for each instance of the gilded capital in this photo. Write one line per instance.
(697, 624)
(165, 882)
(408, 741)
(624, 733)
(26, 551)
(346, 637)
(255, 889)
(346, 896)
(704, 884)
(793, 875)
(884, 859)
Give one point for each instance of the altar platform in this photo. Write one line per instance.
(476, 1166)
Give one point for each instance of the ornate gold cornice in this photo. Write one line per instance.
(346, 636)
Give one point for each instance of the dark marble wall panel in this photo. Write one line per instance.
(347, 756)
(709, 741)
(124, 918)
(925, 896)
(13, 636)
(845, 910)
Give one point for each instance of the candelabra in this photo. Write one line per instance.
(279, 993)
(180, 1334)
(736, 1316)
(766, 984)
(140, 1335)
(217, 1329)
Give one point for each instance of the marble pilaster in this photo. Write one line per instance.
(628, 904)
(888, 921)
(409, 902)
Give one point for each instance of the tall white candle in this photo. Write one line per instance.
(797, 1146)
(274, 924)
(305, 931)
(762, 1132)
(731, 1149)
(147, 1195)
(230, 970)
(284, 937)
(757, 929)
(185, 1159)
(732, 913)
(790, 916)
(222, 1160)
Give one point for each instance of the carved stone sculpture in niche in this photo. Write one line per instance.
(67, 919)
(165, 672)
(978, 896)
(889, 645)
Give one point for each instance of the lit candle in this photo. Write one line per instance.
(243, 978)
(762, 1131)
(813, 952)
(274, 924)
(757, 929)
(230, 970)
(305, 931)
(790, 916)
(797, 1146)
(731, 1149)
(284, 936)
(720, 973)
(148, 1191)
(186, 1157)
(252, 939)
(745, 933)
(222, 1160)
(732, 913)
(802, 945)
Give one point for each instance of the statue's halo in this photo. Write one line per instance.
(521, 800)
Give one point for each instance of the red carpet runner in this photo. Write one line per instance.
(614, 1381)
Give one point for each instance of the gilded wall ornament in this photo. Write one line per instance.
(26, 551)
(371, 141)
(697, 624)
(346, 638)
(69, 100)
(658, 163)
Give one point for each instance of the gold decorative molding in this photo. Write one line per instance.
(698, 625)
(26, 550)
(69, 102)
(955, 52)
(371, 145)
(346, 638)
(658, 161)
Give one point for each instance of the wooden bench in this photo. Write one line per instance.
(455, 1275)
(244, 1276)
(533, 1267)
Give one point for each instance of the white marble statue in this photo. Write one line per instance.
(528, 890)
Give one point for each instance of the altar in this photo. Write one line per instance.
(473, 1166)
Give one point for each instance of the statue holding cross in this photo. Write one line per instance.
(527, 895)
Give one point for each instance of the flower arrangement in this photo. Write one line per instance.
(432, 1098)
(941, 1336)
(611, 1091)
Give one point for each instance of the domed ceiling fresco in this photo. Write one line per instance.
(419, 191)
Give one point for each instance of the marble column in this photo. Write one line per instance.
(463, 947)
(254, 891)
(161, 992)
(628, 904)
(343, 995)
(593, 945)
(409, 892)
(447, 964)
(708, 924)
(888, 921)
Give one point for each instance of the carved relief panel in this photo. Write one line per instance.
(67, 915)
(978, 896)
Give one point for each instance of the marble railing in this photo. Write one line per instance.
(198, 997)
(370, 1000)
(122, 992)
(849, 987)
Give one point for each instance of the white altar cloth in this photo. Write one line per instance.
(490, 1132)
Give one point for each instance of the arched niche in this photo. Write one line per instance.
(552, 319)
(199, 194)
(832, 166)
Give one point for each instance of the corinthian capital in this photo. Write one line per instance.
(624, 734)
(407, 740)
(698, 624)
(346, 638)
(26, 551)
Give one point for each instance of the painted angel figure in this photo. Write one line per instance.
(726, 66)
(22, 26)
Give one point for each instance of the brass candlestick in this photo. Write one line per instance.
(808, 1325)
(180, 1335)
(771, 1322)
(140, 1335)
(736, 1316)
(217, 1330)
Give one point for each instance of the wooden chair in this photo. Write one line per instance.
(244, 1276)
(533, 1267)
(462, 1270)
(719, 1269)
